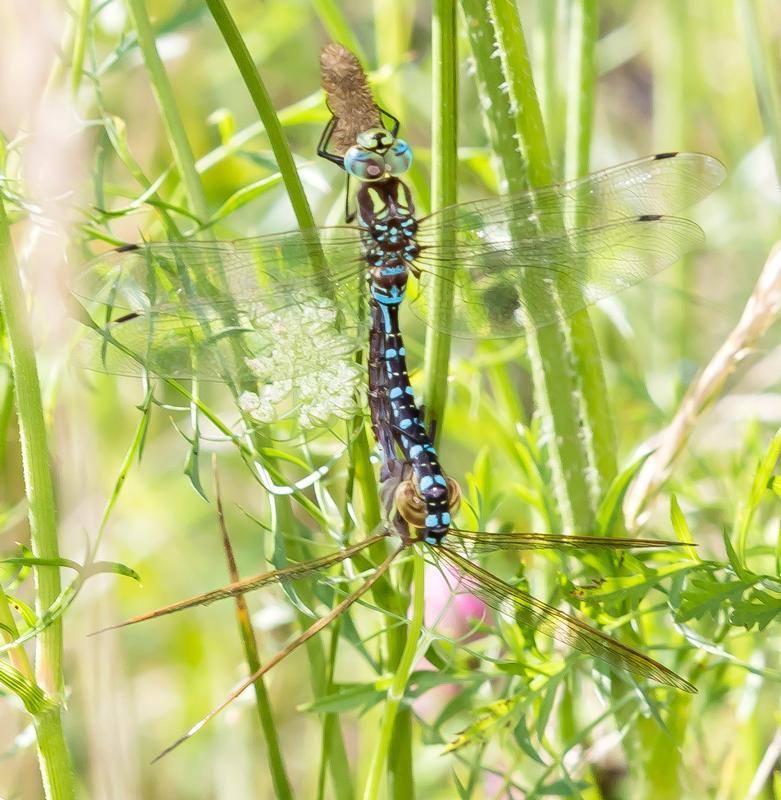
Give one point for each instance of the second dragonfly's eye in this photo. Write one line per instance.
(399, 158)
(364, 165)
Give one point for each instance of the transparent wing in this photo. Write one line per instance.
(529, 259)
(660, 184)
(277, 318)
(225, 276)
(472, 542)
(293, 572)
(553, 622)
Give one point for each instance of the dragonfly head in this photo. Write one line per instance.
(377, 155)
(428, 510)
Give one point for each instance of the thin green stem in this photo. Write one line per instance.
(174, 125)
(444, 168)
(764, 70)
(582, 85)
(53, 757)
(265, 109)
(398, 685)
(334, 21)
(279, 777)
(80, 43)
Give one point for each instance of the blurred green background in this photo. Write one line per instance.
(80, 153)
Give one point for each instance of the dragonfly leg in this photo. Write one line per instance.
(325, 140)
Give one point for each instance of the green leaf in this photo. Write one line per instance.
(546, 706)
(192, 468)
(264, 160)
(33, 697)
(562, 788)
(756, 608)
(349, 697)
(737, 564)
(243, 196)
(609, 511)
(523, 740)
(708, 596)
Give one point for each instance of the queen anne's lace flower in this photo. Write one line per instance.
(299, 370)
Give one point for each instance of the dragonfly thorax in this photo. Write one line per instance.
(389, 228)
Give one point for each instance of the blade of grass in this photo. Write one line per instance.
(557, 371)
(764, 70)
(265, 109)
(172, 120)
(53, 756)
(279, 776)
(595, 410)
(395, 696)
(444, 165)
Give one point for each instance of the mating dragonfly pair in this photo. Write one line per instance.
(279, 320)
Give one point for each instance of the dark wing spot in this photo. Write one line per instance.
(127, 248)
(128, 317)
(649, 217)
(660, 156)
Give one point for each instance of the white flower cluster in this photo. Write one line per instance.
(308, 366)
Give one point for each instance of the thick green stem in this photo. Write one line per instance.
(53, 756)
(265, 109)
(582, 82)
(600, 445)
(444, 166)
(564, 363)
(399, 682)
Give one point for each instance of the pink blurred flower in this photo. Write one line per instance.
(454, 616)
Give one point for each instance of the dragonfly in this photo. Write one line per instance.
(279, 319)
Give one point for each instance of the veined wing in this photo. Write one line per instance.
(504, 285)
(223, 276)
(665, 183)
(293, 572)
(276, 318)
(553, 622)
(472, 542)
(526, 260)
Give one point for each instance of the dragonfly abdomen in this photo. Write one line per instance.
(396, 418)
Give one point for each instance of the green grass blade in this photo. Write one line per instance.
(53, 757)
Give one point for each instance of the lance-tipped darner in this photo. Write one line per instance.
(279, 319)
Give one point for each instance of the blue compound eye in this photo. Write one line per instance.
(362, 164)
(399, 158)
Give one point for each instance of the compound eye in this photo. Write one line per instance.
(375, 139)
(410, 505)
(398, 159)
(362, 164)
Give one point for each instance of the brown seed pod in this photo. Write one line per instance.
(348, 96)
